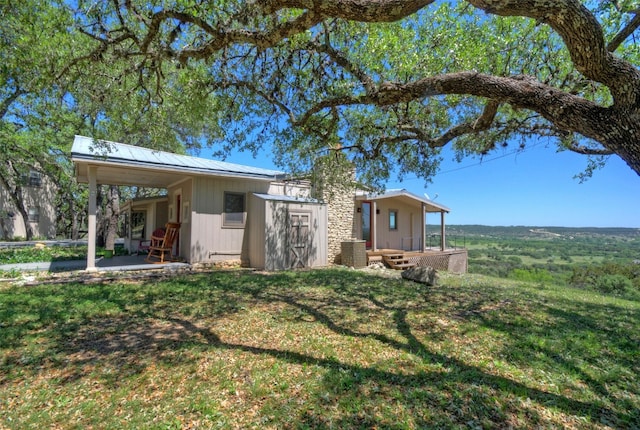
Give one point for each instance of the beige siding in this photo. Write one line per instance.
(407, 236)
(182, 213)
(269, 234)
(290, 188)
(409, 232)
(277, 246)
(41, 197)
(211, 240)
(161, 214)
(256, 232)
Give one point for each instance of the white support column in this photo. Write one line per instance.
(374, 225)
(442, 234)
(93, 205)
(423, 228)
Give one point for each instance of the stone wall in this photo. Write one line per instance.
(339, 194)
(340, 209)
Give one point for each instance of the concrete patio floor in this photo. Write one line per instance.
(114, 264)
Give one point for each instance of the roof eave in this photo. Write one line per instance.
(119, 162)
(405, 193)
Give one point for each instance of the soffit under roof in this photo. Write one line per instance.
(121, 164)
(406, 197)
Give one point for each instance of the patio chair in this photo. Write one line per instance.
(162, 246)
(143, 245)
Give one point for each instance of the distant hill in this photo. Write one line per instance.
(536, 231)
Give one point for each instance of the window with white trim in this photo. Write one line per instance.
(234, 214)
(393, 219)
(34, 214)
(32, 179)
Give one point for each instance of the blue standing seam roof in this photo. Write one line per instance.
(120, 152)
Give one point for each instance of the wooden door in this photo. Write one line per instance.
(300, 241)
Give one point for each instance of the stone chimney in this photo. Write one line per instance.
(334, 183)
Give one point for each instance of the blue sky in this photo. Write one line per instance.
(535, 188)
(531, 188)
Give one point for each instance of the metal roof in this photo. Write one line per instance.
(404, 194)
(104, 153)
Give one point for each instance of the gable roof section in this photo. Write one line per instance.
(121, 164)
(403, 194)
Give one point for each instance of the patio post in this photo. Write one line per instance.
(374, 226)
(442, 232)
(423, 229)
(93, 195)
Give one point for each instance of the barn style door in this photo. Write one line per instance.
(299, 239)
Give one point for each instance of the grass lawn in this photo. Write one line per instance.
(331, 348)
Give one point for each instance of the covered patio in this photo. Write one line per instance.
(101, 162)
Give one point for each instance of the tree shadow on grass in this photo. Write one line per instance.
(142, 325)
(597, 343)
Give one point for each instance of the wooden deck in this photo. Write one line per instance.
(452, 260)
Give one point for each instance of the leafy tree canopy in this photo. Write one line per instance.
(388, 82)
(47, 96)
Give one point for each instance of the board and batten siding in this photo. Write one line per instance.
(269, 235)
(256, 233)
(211, 241)
(408, 234)
(183, 213)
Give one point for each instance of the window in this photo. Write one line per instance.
(33, 179)
(234, 211)
(138, 221)
(393, 219)
(34, 214)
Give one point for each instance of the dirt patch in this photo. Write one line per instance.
(128, 340)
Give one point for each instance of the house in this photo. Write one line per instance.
(225, 210)
(395, 219)
(259, 217)
(38, 194)
(394, 224)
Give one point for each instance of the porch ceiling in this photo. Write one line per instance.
(406, 197)
(127, 175)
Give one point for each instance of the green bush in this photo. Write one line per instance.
(613, 284)
(608, 278)
(515, 260)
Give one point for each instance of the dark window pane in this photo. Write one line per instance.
(233, 209)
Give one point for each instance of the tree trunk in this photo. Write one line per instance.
(25, 219)
(3, 227)
(100, 218)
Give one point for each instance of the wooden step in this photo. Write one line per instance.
(403, 265)
(397, 261)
